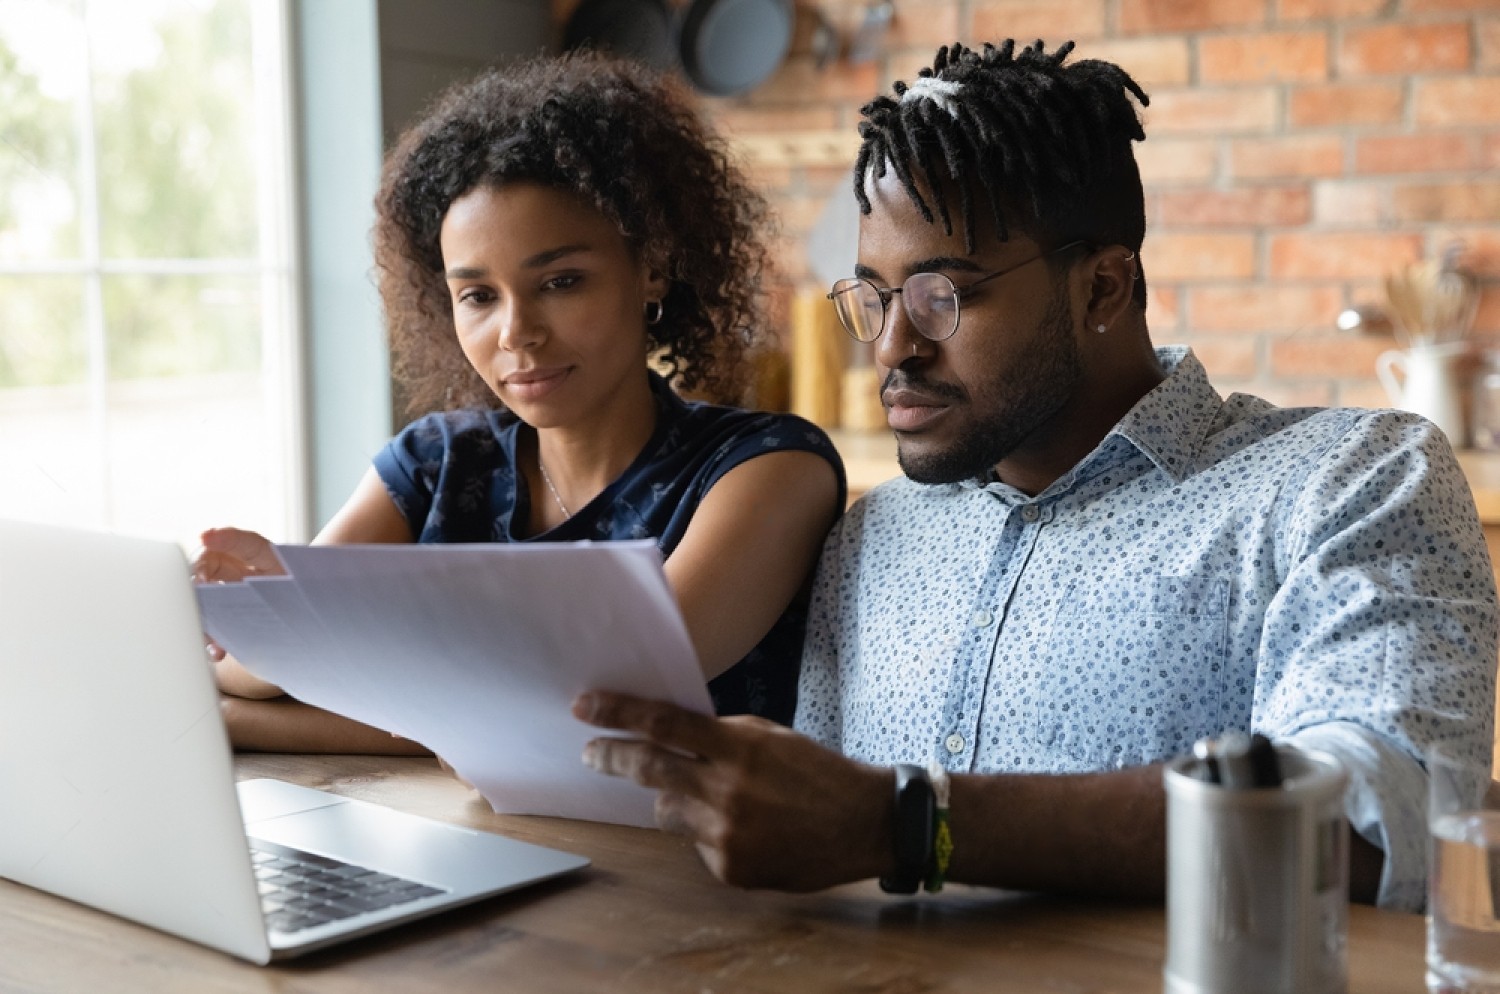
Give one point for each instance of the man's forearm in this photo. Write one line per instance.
(1094, 833)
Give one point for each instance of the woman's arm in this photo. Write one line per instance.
(751, 547)
(278, 723)
(287, 725)
(369, 516)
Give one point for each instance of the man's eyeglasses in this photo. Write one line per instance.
(931, 301)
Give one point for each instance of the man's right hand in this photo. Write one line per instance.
(765, 806)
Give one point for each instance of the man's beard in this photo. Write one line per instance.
(1040, 382)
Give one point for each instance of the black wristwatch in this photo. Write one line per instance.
(912, 830)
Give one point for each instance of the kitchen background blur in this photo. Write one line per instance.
(188, 329)
(1298, 152)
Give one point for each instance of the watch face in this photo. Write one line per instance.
(915, 812)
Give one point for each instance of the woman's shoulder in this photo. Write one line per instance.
(707, 441)
(462, 428)
(773, 429)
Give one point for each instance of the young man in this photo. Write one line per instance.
(1094, 560)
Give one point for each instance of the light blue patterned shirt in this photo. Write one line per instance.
(1317, 575)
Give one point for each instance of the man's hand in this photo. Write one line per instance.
(765, 806)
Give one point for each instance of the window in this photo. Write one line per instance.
(148, 340)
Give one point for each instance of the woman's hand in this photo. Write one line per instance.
(229, 555)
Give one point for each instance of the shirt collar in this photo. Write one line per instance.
(1168, 425)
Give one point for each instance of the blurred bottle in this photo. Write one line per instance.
(819, 351)
(1486, 403)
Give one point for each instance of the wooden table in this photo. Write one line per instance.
(647, 917)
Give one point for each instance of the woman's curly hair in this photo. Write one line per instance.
(625, 140)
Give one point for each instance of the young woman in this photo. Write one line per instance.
(541, 233)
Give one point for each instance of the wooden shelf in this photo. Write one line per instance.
(1482, 469)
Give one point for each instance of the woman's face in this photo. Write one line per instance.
(548, 301)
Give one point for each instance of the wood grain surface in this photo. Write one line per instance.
(646, 917)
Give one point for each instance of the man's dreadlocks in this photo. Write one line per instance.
(1048, 144)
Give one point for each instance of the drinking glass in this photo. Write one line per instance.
(1463, 890)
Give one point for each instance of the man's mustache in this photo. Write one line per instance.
(900, 379)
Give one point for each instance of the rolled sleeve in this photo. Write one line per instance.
(1382, 640)
(1386, 803)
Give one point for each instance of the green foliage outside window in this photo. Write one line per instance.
(176, 154)
(175, 158)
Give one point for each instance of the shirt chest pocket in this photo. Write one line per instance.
(1135, 672)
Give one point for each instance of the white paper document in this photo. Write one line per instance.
(475, 651)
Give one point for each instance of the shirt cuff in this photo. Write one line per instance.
(1386, 803)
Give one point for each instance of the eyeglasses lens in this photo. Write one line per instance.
(860, 308)
(930, 300)
(932, 304)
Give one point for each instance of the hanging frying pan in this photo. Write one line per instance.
(633, 29)
(730, 46)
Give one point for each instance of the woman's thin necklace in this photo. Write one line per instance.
(555, 495)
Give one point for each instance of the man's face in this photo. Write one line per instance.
(962, 405)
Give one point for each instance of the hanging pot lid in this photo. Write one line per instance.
(730, 46)
(641, 30)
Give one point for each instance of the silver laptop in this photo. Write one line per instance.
(117, 788)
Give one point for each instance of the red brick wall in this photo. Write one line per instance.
(1297, 150)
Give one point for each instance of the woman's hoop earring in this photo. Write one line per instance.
(654, 311)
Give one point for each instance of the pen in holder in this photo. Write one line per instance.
(1257, 870)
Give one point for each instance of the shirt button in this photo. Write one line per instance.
(954, 743)
(1030, 513)
(982, 619)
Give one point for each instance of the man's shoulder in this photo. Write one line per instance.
(1303, 432)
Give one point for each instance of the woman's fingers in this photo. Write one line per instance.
(230, 550)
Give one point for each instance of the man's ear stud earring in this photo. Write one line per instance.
(1101, 329)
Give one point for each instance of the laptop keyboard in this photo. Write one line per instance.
(299, 889)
